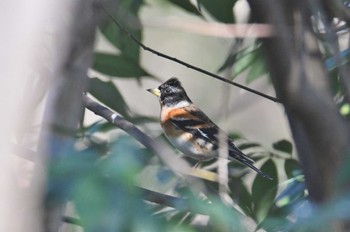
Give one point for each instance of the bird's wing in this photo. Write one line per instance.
(194, 121)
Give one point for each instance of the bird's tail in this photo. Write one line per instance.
(241, 157)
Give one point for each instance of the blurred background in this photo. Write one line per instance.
(69, 164)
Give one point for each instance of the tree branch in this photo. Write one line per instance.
(187, 64)
(166, 155)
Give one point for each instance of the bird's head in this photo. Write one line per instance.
(171, 93)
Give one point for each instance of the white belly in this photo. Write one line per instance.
(200, 150)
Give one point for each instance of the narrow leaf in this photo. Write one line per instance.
(117, 65)
(245, 61)
(258, 69)
(219, 9)
(127, 15)
(241, 195)
(264, 191)
(109, 95)
(187, 6)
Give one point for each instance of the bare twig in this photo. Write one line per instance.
(223, 30)
(187, 64)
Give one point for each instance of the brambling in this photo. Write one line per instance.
(189, 129)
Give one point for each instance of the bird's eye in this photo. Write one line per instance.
(167, 90)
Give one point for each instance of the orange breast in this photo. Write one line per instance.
(182, 140)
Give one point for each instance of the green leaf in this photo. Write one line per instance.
(258, 69)
(126, 15)
(241, 195)
(187, 6)
(248, 145)
(264, 191)
(245, 61)
(109, 95)
(284, 146)
(292, 168)
(117, 65)
(222, 10)
(232, 56)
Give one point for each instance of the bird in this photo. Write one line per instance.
(190, 130)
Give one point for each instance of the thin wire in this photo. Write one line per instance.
(186, 64)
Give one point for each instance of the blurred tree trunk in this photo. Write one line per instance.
(321, 135)
(73, 43)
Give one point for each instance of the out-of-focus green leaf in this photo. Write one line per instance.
(335, 81)
(222, 10)
(107, 199)
(235, 135)
(264, 191)
(182, 218)
(231, 58)
(246, 60)
(248, 145)
(275, 224)
(292, 168)
(127, 15)
(284, 146)
(258, 69)
(187, 6)
(109, 95)
(241, 196)
(222, 217)
(117, 65)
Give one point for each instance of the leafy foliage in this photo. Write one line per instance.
(220, 9)
(117, 65)
(187, 6)
(103, 177)
(109, 94)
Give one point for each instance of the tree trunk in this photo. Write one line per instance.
(321, 135)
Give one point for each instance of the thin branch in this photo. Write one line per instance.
(222, 30)
(166, 155)
(187, 64)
